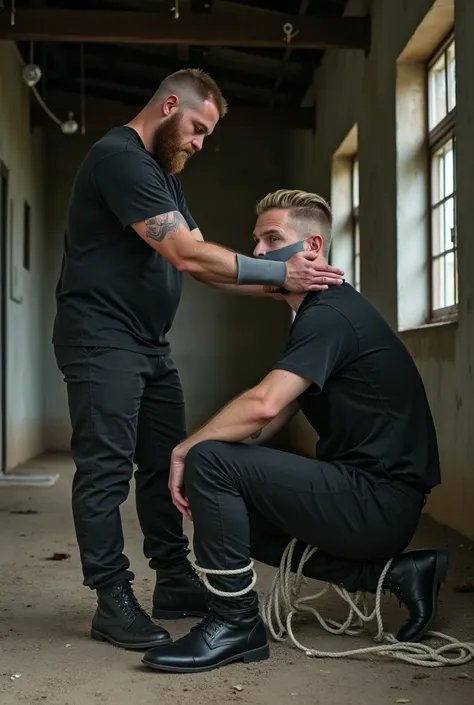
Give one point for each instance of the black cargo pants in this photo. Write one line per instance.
(125, 407)
(249, 501)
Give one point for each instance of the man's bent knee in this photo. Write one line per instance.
(205, 450)
(202, 457)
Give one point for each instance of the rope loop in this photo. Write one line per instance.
(283, 602)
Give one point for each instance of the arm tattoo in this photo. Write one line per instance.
(257, 434)
(158, 227)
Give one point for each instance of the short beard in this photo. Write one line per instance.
(167, 148)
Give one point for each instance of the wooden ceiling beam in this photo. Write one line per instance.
(123, 78)
(104, 114)
(313, 32)
(231, 58)
(131, 61)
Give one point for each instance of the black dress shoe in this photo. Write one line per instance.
(415, 578)
(178, 593)
(216, 641)
(120, 619)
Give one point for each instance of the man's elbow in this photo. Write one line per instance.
(264, 412)
(266, 402)
(183, 264)
(187, 264)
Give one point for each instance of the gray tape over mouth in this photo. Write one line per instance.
(283, 254)
(252, 270)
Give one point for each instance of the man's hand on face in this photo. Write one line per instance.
(305, 274)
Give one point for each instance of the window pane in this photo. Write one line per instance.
(356, 238)
(355, 183)
(448, 168)
(437, 92)
(438, 283)
(456, 289)
(450, 279)
(437, 176)
(355, 220)
(451, 59)
(437, 230)
(445, 281)
(442, 172)
(356, 255)
(448, 224)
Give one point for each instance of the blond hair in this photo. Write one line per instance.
(308, 211)
(193, 81)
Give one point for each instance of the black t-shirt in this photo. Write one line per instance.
(114, 289)
(367, 401)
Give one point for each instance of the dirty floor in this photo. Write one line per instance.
(45, 615)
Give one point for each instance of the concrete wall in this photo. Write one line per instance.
(22, 153)
(225, 343)
(353, 89)
(222, 343)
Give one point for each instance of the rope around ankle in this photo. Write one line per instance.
(282, 603)
(204, 572)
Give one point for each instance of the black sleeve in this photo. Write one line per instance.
(183, 207)
(133, 187)
(321, 341)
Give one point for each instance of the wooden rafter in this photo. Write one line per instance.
(314, 32)
(133, 61)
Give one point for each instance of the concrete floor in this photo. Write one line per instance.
(45, 616)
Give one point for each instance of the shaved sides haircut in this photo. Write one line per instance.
(192, 85)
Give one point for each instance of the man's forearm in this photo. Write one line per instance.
(266, 432)
(236, 422)
(210, 263)
(217, 265)
(246, 290)
(170, 236)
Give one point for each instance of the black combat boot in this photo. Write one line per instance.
(415, 578)
(120, 619)
(217, 641)
(179, 592)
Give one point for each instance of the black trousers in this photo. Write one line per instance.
(125, 407)
(249, 501)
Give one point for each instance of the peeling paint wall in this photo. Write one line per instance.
(22, 153)
(239, 340)
(355, 89)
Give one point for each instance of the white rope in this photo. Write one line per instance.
(204, 572)
(282, 603)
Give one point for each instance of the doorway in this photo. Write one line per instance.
(3, 313)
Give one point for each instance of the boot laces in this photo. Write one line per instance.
(210, 624)
(394, 588)
(195, 577)
(127, 601)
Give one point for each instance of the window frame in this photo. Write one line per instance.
(438, 137)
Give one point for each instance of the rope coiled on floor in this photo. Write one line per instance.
(282, 603)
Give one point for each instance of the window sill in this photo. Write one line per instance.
(435, 323)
